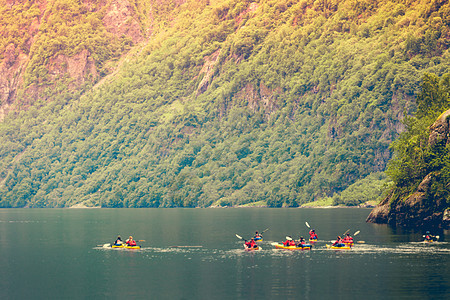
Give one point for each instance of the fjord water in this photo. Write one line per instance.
(55, 254)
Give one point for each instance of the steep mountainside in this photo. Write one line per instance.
(420, 169)
(422, 208)
(196, 103)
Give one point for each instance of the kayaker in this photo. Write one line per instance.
(131, 242)
(257, 236)
(118, 241)
(288, 243)
(348, 239)
(251, 244)
(313, 235)
(429, 237)
(301, 242)
(339, 242)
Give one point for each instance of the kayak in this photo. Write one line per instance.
(125, 246)
(313, 240)
(281, 246)
(428, 241)
(252, 249)
(258, 239)
(346, 247)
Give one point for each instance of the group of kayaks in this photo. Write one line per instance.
(341, 246)
(290, 244)
(301, 244)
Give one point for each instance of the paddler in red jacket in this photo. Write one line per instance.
(339, 242)
(131, 242)
(289, 242)
(313, 235)
(348, 239)
(251, 244)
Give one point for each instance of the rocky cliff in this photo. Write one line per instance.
(34, 60)
(421, 208)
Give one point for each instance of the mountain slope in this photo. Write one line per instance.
(229, 102)
(420, 169)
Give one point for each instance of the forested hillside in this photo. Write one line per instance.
(199, 103)
(420, 168)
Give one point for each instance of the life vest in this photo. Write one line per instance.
(348, 239)
(131, 243)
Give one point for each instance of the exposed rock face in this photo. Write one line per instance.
(207, 69)
(120, 19)
(440, 129)
(419, 209)
(11, 67)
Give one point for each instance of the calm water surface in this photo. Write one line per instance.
(57, 254)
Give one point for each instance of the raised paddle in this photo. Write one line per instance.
(240, 237)
(264, 230)
(356, 233)
(288, 238)
(307, 224)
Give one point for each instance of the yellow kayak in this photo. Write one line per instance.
(125, 246)
(346, 247)
(281, 246)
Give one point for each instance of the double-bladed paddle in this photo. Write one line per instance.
(240, 237)
(264, 230)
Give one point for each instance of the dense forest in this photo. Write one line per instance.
(420, 168)
(213, 103)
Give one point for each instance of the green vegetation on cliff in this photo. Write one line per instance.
(230, 102)
(415, 157)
